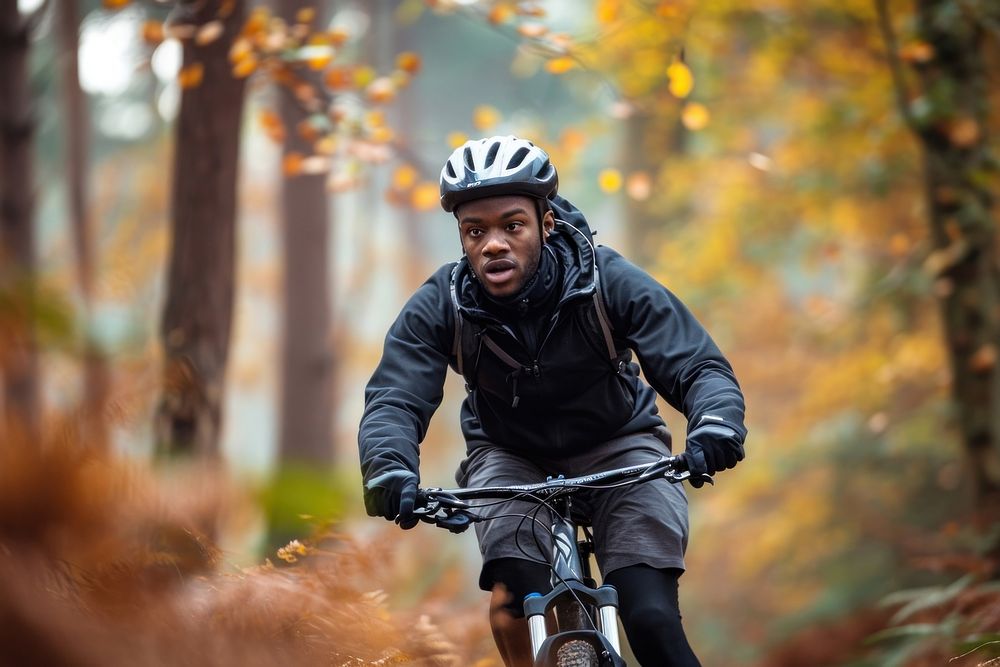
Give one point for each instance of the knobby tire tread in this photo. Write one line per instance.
(577, 653)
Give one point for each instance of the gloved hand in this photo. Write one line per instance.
(712, 447)
(392, 495)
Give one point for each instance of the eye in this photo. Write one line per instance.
(514, 226)
(474, 232)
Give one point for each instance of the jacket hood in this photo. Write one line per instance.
(571, 244)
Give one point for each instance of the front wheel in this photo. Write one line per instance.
(577, 653)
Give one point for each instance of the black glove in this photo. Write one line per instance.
(710, 448)
(392, 495)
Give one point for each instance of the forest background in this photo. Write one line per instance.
(213, 210)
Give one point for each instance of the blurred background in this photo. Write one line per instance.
(212, 211)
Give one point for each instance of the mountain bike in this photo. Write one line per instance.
(586, 616)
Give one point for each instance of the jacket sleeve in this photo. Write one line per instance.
(678, 357)
(408, 384)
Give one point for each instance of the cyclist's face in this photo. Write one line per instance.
(500, 236)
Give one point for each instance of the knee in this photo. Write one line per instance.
(651, 615)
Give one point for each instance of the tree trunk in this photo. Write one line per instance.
(308, 363)
(18, 353)
(96, 379)
(958, 181)
(198, 313)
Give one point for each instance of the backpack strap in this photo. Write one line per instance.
(456, 346)
(602, 318)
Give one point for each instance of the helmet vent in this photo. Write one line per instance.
(517, 157)
(451, 170)
(469, 164)
(492, 155)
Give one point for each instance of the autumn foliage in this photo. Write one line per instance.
(103, 561)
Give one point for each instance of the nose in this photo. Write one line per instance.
(496, 243)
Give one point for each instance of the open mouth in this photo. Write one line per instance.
(499, 270)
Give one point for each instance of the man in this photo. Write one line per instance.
(542, 325)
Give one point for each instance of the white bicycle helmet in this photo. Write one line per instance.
(496, 166)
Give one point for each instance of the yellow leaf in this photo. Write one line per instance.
(327, 145)
(363, 76)
(610, 180)
(305, 15)
(456, 139)
(191, 76)
(381, 135)
(560, 65)
(209, 32)
(426, 196)
(485, 117)
(608, 10)
(695, 116)
(681, 80)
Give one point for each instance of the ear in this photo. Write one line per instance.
(548, 223)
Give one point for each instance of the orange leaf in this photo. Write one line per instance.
(381, 90)
(639, 185)
(116, 4)
(291, 165)
(338, 36)
(917, 51)
(241, 48)
(532, 30)
(191, 76)
(530, 9)
(319, 62)
(426, 196)
(963, 132)
(245, 67)
(456, 139)
(209, 32)
(409, 62)
(152, 32)
(404, 178)
(339, 78)
(272, 125)
(500, 13)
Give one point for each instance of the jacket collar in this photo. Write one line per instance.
(573, 252)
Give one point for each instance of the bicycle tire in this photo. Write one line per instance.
(577, 653)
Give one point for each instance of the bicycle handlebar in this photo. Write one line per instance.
(447, 507)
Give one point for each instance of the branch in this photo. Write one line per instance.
(896, 66)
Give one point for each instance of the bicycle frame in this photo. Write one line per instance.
(570, 574)
(571, 588)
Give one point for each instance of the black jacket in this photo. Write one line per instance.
(571, 396)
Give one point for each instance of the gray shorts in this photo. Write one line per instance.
(638, 524)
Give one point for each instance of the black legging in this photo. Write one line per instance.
(647, 599)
